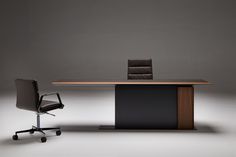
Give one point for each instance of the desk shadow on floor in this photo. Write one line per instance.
(199, 128)
(29, 139)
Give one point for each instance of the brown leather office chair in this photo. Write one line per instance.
(140, 69)
(28, 99)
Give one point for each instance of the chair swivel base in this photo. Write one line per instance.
(34, 129)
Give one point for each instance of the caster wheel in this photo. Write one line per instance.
(15, 137)
(31, 132)
(58, 132)
(43, 139)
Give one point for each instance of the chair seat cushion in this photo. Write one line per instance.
(47, 105)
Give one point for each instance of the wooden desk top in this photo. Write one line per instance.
(135, 82)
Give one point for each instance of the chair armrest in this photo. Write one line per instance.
(48, 94)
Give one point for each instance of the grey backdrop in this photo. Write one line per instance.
(92, 39)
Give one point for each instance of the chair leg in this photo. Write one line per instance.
(50, 128)
(15, 137)
(23, 131)
(58, 132)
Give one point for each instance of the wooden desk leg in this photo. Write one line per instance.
(185, 107)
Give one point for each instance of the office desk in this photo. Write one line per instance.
(150, 104)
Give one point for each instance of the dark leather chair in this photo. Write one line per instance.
(140, 69)
(28, 99)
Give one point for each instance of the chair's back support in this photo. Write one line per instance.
(140, 69)
(27, 94)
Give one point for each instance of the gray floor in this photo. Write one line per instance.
(85, 111)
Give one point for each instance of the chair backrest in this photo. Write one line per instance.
(140, 69)
(27, 96)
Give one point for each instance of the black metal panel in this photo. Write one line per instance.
(145, 107)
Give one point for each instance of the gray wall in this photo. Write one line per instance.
(92, 39)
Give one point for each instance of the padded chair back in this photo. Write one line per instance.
(140, 69)
(27, 94)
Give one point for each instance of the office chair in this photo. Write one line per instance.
(140, 69)
(28, 99)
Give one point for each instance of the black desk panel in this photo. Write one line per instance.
(146, 107)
